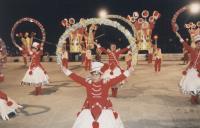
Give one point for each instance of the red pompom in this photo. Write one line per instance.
(9, 103)
(184, 72)
(30, 72)
(111, 73)
(95, 124)
(115, 114)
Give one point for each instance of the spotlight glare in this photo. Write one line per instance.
(194, 8)
(102, 13)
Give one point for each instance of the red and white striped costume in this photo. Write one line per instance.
(113, 57)
(36, 74)
(65, 59)
(190, 82)
(88, 59)
(97, 110)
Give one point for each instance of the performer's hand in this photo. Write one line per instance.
(66, 71)
(98, 45)
(20, 48)
(184, 72)
(30, 72)
(130, 46)
(9, 103)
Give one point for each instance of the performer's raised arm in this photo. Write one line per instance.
(185, 44)
(119, 78)
(102, 49)
(122, 51)
(75, 77)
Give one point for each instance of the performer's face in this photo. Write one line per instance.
(113, 47)
(34, 49)
(198, 45)
(96, 76)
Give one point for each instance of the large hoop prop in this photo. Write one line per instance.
(84, 23)
(183, 9)
(31, 20)
(125, 20)
(174, 19)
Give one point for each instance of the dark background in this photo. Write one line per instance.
(51, 12)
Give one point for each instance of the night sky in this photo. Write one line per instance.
(51, 12)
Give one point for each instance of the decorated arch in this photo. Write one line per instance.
(84, 23)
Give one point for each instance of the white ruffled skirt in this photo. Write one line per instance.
(5, 109)
(38, 77)
(106, 120)
(190, 83)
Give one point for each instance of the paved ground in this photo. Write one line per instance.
(149, 99)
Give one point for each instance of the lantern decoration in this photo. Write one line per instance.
(144, 25)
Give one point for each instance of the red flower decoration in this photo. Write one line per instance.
(156, 15)
(9, 103)
(184, 72)
(30, 72)
(145, 13)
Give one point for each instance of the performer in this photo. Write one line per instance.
(97, 111)
(190, 82)
(185, 56)
(26, 44)
(7, 106)
(113, 56)
(98, 55)
(2, 59)
(88, 59)
(65, 58)
(158, 59)
(128, 59)
(36, 74)
(83, 53)
(150, 54)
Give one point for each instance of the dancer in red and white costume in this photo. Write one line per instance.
(36, 74)
(128, 59)
(190, 82)
(2, 59)
(25, 54)
(113, 56)
(158, 59)
(83, 54)
(65, 59)
(7, 106)
(88, 59)
(150, 54)
(97, 111)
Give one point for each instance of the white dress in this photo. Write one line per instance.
(38, 77)
(5, 109)
(106, 120)
(190, 83)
